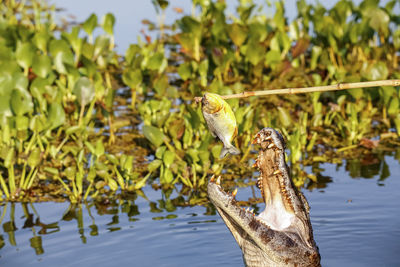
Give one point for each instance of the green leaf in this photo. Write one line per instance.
(154, 165)
(255, 52)
(24, 54)
(41, 65)
(21, 102)
(393, 108)
(41, 40)
(168, 158)
(99, 148)
(160, 152)
(272, 57)
(155, 61)
(21, 123)
(168, 177)
(84, 91)
(132, 78)
(375, 71)
(378, 19)
(112, 184)
(108, 23)
(101, 44)
(284, 117)
(237, 33)
(153, 134)
(56, 115)
(34, 157)
(20, 81)
(90, 24)
(185, 71)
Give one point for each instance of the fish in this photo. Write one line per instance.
(220, 121)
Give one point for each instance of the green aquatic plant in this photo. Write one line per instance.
(80, 121)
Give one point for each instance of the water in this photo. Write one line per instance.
(355, 221)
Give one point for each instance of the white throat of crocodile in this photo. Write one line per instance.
(274, 185)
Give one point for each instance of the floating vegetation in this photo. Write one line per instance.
(79, 121)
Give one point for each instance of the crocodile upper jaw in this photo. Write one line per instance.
(282, 233)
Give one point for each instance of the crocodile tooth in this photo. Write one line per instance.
(212, 178)
(268, 138)
(271, 145)
(252, 211)
(218, 180)
(277, 172)
(234, 192)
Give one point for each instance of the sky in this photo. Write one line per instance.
(129, 14)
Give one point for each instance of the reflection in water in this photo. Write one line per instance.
(32, 220)
(23, 226)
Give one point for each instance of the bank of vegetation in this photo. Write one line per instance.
(79, 120)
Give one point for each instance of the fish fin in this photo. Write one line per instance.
(230, 149)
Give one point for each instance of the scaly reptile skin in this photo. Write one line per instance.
(282, 234)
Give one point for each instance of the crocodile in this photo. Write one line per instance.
(281, 235)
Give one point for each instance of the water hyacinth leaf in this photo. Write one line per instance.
(272, 58)
(70, 173)
(108, 23)
(153, 134)
(154, 165)
(163, 4)
(237, 33)
(203, 69)
(84, 91)
(160, 152)
(356, 93)
(101, 43)
(24, 54)
(34, 158)
(20, 81)
(74, 40)
(284, 117)
(9, 158)
(194, 118)
(131, 53)
(374, 71)
(90, 24)
(378, 19)
(393, 108)
(99, 148)
(21, 102)
(155, 61)
(167, 177)
(37, 123)
(254, 52)
(41, 40)
(41, 65)
(61, 49)
(161, 84)
(112, 184)
(128, 165)
(185, 71)
(168, 158)
(56, 115)
(112, 158)
(91, 148)
(132, 78)
(21, 123)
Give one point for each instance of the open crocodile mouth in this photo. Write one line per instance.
(274, 184)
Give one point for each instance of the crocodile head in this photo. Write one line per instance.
(281, 235)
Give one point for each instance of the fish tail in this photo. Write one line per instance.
(229, 149)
